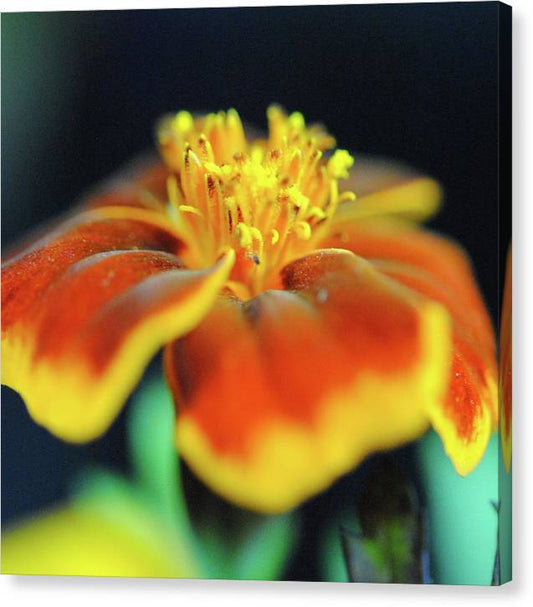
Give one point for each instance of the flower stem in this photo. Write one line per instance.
(156, 462)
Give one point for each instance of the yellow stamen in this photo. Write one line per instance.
(173, 191)
(185, 208)
(272, 199)
(245, 235)
(183, 122)
(339, 164)
(347, 197)
(303, 230)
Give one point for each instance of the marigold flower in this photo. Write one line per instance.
(303, 328)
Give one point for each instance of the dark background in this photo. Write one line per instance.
(81, 92)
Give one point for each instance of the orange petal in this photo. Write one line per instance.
(385, 188)
(101, 229)
(506, 363)
(436, 267)
(142, 184)
(280, 395)
(138, 192)
(81, 317)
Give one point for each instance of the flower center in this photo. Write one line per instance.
(269, 199)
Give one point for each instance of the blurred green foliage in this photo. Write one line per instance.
(264, 544)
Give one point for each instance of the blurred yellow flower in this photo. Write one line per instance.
(96, 536)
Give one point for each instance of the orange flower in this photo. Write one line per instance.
(303, 328)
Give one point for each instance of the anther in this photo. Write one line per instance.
(186, 208)
(245, 236)
(303, 229)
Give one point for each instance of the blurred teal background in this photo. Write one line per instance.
(462, 520)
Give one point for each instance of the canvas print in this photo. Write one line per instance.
(256, 293)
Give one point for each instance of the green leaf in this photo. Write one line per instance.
(390, 543)
(332, 558)
(264, 554)
(153, 453)
(126, 506)
(252, 547)
(364, 559)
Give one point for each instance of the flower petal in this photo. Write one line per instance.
(80, 320)
(437, 268)
(142, 183)
(101, 229)
(280, 395)
(384, 188)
